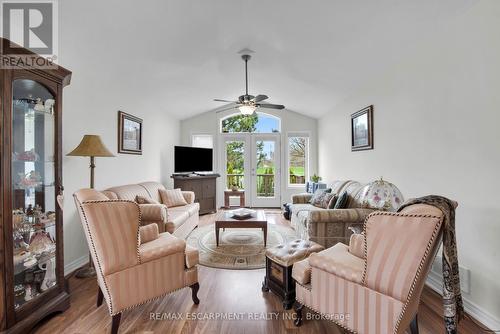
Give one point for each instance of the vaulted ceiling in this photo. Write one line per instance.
(309, 55)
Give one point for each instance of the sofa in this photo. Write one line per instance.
(329, 226)
(178, 220)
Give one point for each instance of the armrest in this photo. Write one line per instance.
(301, 198)
(148, 233)
(339, 215)
(188, 196)
(153, 212)
(357, 245)
(301, 272)
(192, 257)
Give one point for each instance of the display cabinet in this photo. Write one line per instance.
(31, 264)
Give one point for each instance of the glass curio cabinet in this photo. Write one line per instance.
(32, 263)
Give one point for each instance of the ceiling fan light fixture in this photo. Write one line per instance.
(247, 109)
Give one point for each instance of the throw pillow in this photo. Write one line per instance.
(333, 201)
(145, 200)
(327, 200)
(172, 197)
(317, 196)
(342, 201)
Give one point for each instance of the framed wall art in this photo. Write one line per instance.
(129, 134)
(362, 129)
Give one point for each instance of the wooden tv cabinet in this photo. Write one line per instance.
(204, 188)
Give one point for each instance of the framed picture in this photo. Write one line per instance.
(129, 134)
(362, 129)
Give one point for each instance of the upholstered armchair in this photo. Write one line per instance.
(374, 284)
(134, 264)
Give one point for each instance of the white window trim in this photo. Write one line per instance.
(203, 134)
(307, 135)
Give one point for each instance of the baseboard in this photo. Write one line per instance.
(434, 281)
(74, 265)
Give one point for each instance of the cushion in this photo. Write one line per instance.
(338, 261)
(293, 251)
(172, 197)
(191, 209)
(342, 201)
(318, 196)
(165, 244)
(328, 201)
(144, 200)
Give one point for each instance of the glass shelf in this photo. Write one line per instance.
(33, 174)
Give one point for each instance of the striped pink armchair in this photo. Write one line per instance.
(374, 284)
(134, 264)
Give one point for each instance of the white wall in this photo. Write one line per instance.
(436, 120)
(100, 88)
(209, 123)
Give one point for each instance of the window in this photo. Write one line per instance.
(204, 141)
(256, 123)
(298, 160)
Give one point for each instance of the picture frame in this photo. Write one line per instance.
(362, 129)
(129, 134)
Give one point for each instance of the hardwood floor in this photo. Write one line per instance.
(235, 293)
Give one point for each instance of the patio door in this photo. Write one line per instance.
(252, 163)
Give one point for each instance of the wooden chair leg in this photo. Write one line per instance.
(298, 313)
(115, 323)
(100, 297)
(194, 293)
(414, 325)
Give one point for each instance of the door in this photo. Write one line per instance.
(252, 163)
(265, 170)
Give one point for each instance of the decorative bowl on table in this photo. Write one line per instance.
(242, 213)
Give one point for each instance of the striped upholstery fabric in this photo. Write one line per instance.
(117, 235)
(400, 249)
(338, 261)
(303, 198)
(396, 244)
(357, 245)
(189, 197)
(192, 256)
(129, 192)
(172, 197)
(165, 244)
(130, 273)
(153, 212)
(349, 304)
(153, 189)
(148, 233)
(301, 272)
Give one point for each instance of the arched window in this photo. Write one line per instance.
(256, 123)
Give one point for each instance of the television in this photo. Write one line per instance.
(192, 159)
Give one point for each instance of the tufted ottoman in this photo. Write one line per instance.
(279, 263)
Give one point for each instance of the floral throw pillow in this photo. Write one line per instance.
(318, 196)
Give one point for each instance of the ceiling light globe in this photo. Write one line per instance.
(247, 110)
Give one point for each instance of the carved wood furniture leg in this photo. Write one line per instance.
(115, 323)
(265, 235)
(100, 297)
(194, 293)
(217, 235)
(298, 313)
(414, 325)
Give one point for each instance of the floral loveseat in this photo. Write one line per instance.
(329, 226)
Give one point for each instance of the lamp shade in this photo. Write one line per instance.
(247, 109)
(91, 146)
(381, 195)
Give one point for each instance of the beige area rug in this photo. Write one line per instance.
(239, 248)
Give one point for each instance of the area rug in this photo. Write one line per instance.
(239, 248)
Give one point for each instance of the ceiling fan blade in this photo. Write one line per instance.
(225, 109)
(219, 100)
(270, 106)
(259, 98)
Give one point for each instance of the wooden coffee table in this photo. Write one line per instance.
(224, 220)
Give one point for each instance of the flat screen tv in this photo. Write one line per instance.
(192, 159)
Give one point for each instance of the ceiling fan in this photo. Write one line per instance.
(248, 103)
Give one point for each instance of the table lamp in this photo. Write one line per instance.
(90, 146)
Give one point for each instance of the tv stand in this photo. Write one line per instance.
(203, 186)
